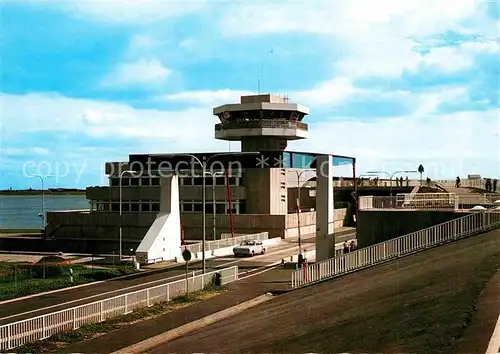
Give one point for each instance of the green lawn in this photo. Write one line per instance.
(17, 280)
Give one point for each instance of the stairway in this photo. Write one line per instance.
(466, 196)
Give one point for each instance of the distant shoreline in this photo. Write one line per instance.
(46, 192)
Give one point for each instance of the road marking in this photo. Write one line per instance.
(94, 296)
(268, 268)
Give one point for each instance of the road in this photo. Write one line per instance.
(43, 304)
(393, 307)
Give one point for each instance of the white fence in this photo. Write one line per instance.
(228, 242)
(18, 333)
(472, 183)
(492, 197)
(423, 201)
(401, 246)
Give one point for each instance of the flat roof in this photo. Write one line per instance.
(258, 159)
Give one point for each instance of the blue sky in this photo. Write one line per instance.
(395, 84)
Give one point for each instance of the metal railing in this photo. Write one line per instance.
(15, 334)
(264, 123)
(492, 197)
(227, 242)
(448, 201)
(404, 245)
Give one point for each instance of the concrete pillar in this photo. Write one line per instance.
(325, 238)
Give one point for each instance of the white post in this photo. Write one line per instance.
(213, 205)
(147, 298)
(43, 327)
(120, 206)
(101, 312)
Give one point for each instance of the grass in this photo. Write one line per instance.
(425, 313)
(86, 332)
(18, 279)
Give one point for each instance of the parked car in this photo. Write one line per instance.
(249, 248)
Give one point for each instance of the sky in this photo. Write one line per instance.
(394, 83)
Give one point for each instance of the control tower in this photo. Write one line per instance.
(261, 122)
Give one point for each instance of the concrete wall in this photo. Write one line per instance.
(308, 222)
(266, 191)
(378, 226)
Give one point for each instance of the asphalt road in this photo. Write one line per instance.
(36, 306)
(314, 319)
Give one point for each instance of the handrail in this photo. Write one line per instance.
(401, 246)
(227, 242)
(18, 333)
(264, 123)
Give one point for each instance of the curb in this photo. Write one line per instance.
(494, 344)
(175, 333)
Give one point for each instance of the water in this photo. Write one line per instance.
(21, 211)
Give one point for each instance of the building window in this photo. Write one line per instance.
(115, 207)
(134, 181)
(186, 207)
(243, 207)
(197, 181)
(146, 181)
(233, 181)
(219, 208)
(134, 207)
(155, 207)
(197, 207)
(220, 181)
(187, 181)
(155, 181)
(209, 208)
(146, 207)
(114, 182)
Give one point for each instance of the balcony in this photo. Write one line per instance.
(281, 128)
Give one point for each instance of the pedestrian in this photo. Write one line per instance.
(494, 186)
(352, 246)
(457, 183)
(407, 182)
(346, 247)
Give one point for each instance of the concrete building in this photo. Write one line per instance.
(249, 191)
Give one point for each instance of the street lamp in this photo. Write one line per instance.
(391, 175)
(120, 205)
(213, 174)
(298, 204)
(42, 178)
(203, 197)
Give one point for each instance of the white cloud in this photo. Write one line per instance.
(208, 98)
(126, 12)
(328, 93)
(376, 37)
(52, 113)
(145, 73)
(24, 151)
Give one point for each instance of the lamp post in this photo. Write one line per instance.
(42, 178)
(121, 209)
(298, 205)
(213, 174)
(203, 194)
(391, 175)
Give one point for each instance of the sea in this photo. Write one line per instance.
(22, 211)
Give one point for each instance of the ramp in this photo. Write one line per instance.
(163, 239)
(469, 225)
